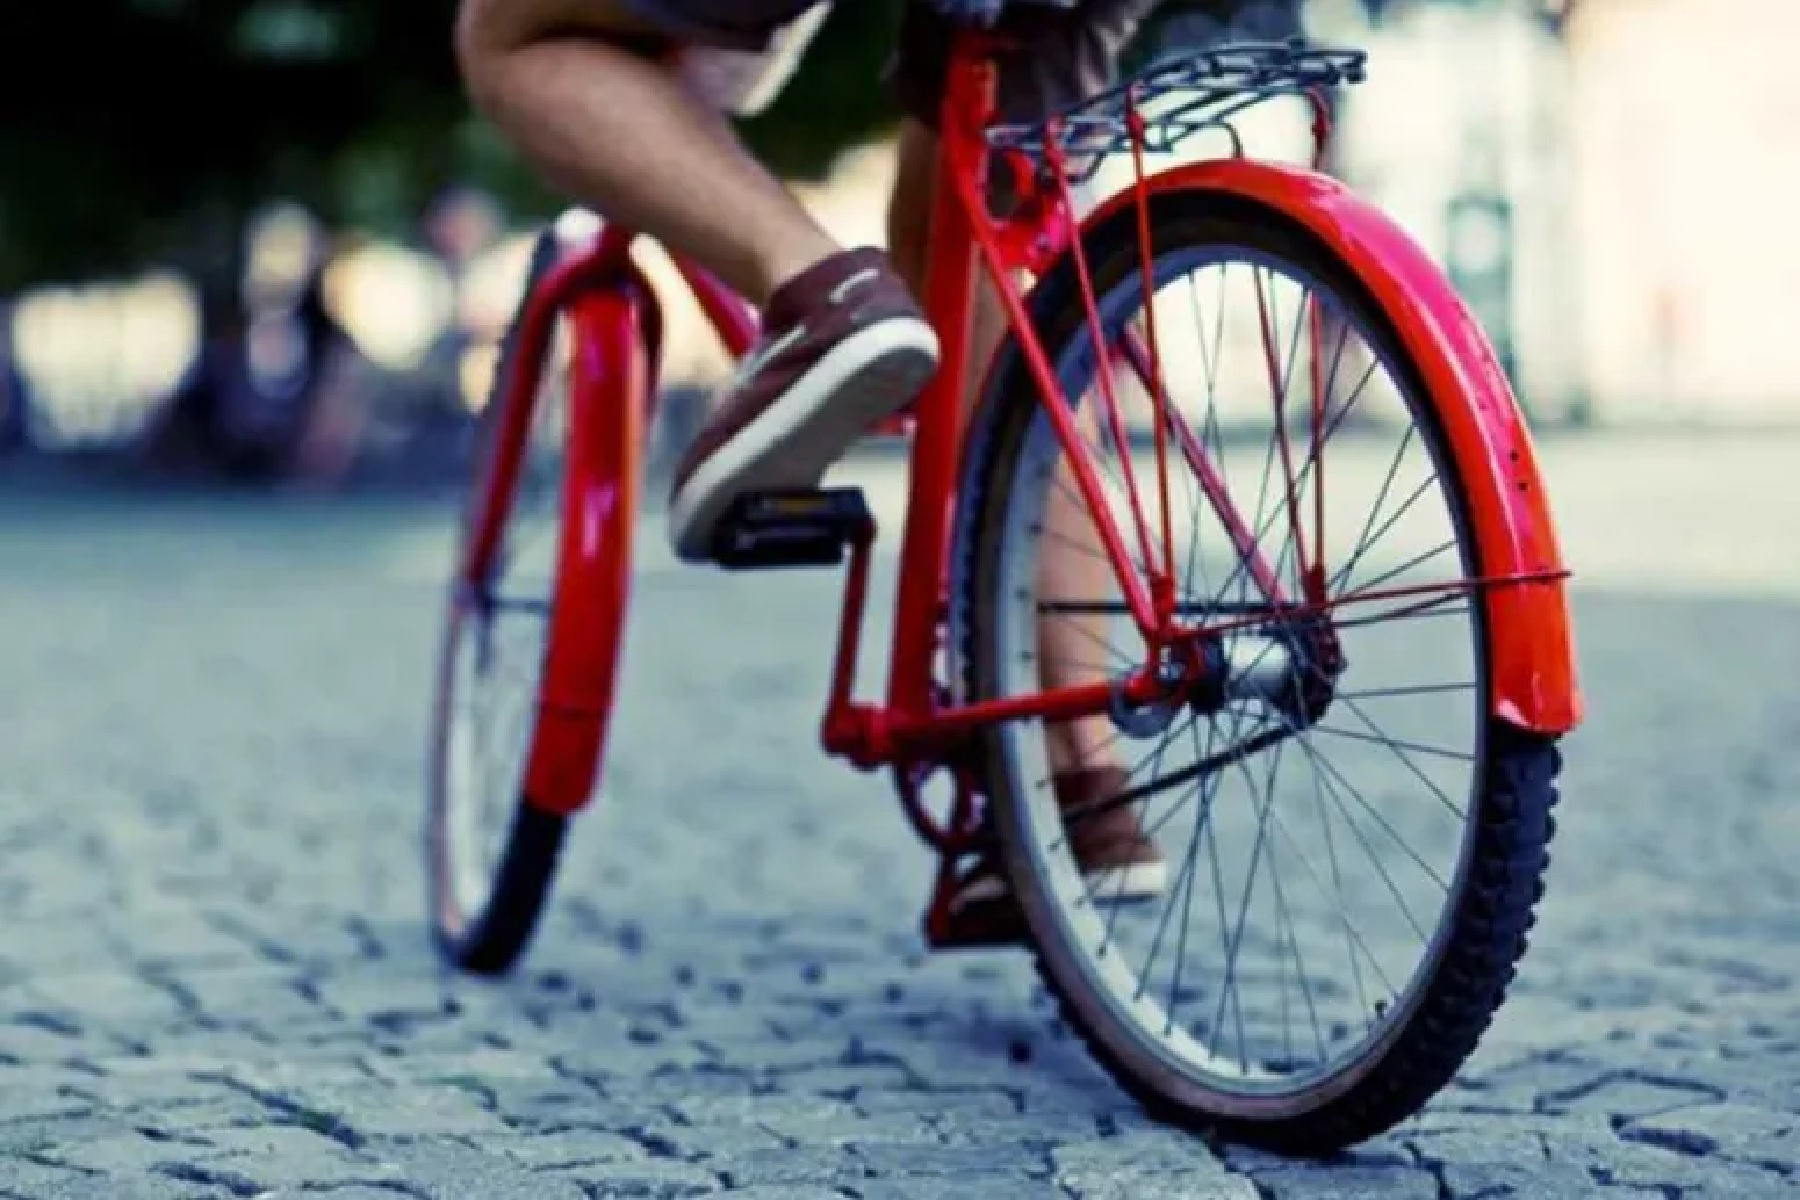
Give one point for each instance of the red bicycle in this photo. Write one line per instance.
(1265, 633)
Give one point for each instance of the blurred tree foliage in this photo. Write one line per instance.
(134, 131)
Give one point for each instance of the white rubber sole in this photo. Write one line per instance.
(870, 375)
(1106, 885)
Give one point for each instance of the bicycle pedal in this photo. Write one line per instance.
(769, 530)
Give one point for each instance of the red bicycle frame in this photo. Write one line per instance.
(615, 323)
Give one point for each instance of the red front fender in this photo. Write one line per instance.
(1532, 682)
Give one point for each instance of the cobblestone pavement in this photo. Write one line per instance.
(216, 983)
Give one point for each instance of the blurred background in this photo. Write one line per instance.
(267, 241)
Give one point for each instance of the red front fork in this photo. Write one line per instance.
(608, 397)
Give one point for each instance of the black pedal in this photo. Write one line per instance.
(767, 530)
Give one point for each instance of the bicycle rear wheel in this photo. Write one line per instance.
(540, 609)
(1281, 1014)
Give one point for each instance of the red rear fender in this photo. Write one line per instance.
(1533, 676)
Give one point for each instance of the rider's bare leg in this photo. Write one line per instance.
(590, 95)
(1071, 649)
(571, 85)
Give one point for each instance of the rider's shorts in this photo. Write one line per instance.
(1058, 56)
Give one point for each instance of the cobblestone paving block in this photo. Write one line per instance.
(663, 1179)
(1347, 1183)
(1525, 1179)
(953, 1160)
(1175, 1184)
(574, 1147)
(1732, 1131)
(1627, 1162)
(1001, 1185)
(839, 1166)
(451, 1171)
(37, 1182)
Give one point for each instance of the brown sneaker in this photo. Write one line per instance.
(843, 346)
(1119, 861)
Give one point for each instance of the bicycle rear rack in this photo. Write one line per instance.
(1177, 97)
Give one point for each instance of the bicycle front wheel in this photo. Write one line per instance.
(1351, 846)
(491, 847)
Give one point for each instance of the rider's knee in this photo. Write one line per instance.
(481, 42)
(490, 32)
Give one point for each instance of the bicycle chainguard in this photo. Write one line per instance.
(799, 528)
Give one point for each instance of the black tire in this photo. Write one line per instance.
(488, 936)
(1505, 836)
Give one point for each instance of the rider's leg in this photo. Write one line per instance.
(578, 87)
(1060, 57)
(1071, 649)
(584, 89)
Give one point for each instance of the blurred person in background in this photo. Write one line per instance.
(462, 224)
(277, 374)
(271, 355)
(13, 432)
(622, 103)
(333, 400)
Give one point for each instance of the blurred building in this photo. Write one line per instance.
(1686, 129)
(1646, 159)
